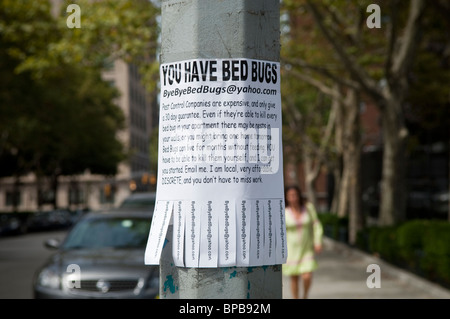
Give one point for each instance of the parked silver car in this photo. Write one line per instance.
(101, 257)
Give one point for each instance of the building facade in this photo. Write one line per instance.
(90, 191)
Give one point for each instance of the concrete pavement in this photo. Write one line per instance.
(342, 274)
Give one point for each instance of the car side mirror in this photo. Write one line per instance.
(52, 243)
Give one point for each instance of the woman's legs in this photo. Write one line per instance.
(307, 279)
(294, 286)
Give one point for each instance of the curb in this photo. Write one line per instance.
(403, 275)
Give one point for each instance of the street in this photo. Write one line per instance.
(20, 256)
(341, 275)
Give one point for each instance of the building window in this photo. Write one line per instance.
(46, 197)
(76, 196)
(107, 194)
(13, 198)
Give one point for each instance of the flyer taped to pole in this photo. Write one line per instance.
(220, 174)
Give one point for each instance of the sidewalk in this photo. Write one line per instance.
(342, 275)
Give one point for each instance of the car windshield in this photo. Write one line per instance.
(146, 202)
(95, 233)
(139, 203)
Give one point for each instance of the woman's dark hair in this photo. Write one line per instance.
(299, 192)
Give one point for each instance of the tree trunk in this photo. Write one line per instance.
(393, 192)
(340, 202)
(16, 194)
(401, 52)
(356, 220)
(343, 191)
(395, 133)
(54, 180)
(39, 191)
(310, 178)
(349, 124)
(352, 159)
(337, 169)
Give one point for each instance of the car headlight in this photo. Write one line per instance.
(150, 283)
(49, 278)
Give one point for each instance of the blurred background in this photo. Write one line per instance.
(365, 97)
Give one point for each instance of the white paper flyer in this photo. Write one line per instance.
(220, 164)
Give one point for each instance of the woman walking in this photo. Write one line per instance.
(304, 238)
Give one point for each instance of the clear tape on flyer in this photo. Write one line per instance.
(220, 176)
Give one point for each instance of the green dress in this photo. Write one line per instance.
(301, 236)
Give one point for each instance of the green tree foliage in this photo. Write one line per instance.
(110, 29)
(402, 67)
(429, 98)
(57, 115)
